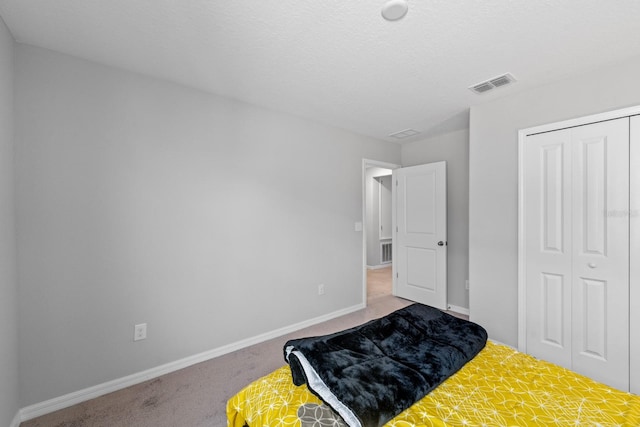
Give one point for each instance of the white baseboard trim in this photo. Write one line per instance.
(501, 343)
(55, 404)
(379, 266)
(16, 420)
(456, 309)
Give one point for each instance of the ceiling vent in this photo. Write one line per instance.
(404, 134)
(493, 83)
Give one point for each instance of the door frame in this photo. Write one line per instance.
(367, 163)
(634, 252)
(522, 137)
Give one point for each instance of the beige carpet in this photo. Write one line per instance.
(197, 395)
(379, 282)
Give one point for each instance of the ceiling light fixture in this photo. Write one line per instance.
(394, 9)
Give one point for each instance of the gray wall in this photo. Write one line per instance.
(143, 201)
(493, 192)
(8, 282)
(452, 147)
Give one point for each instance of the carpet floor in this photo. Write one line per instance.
(196, 396)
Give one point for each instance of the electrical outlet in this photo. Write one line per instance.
(140, 332)
(321, 289)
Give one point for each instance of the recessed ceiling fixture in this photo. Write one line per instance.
(404, 134)
(394, 9)
(493, 83)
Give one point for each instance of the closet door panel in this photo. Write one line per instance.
(553, 305)
(600, 240)
(548, 246)
(594, 318)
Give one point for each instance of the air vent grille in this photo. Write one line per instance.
(404, 133)
(483, 87)
(386, 253)
(493, 83)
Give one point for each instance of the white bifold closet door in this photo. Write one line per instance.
(576, 219)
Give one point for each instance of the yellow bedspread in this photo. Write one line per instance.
(499, 387)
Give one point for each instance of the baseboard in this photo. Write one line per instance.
(55, 404)
(501, 343)
(456, 309)
(379, 266)
(16, 420)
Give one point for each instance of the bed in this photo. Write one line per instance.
(499, 386)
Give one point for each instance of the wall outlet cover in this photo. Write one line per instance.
(140, 332)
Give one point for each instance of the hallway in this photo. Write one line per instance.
(379, 282)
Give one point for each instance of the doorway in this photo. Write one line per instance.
(379, 282)
(377, 234)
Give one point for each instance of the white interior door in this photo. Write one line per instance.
(547, 217)
(384, 207)
(577, 249)
(420, 224)
(601, 252)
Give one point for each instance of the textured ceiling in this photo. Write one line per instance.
(336, 61)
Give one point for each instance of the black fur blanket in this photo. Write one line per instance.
(371, 373)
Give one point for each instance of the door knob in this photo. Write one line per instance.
(440, 243)
(592, 265)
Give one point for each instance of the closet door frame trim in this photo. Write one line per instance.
(550, 127)
(634, 253)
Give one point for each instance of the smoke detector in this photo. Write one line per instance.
(394, 9)
(494, 83)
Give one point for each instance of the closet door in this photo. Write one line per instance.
(547, 217)
(576, 225)
(600, 239)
